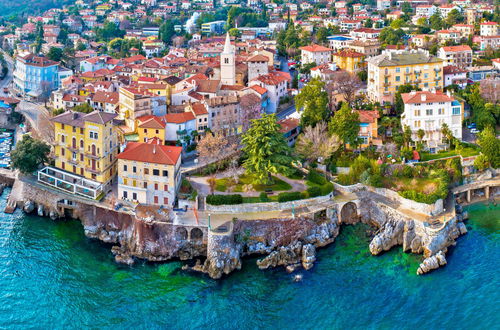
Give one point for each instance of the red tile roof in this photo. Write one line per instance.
(151, 153)
(151, 122)
(179, 118)
(459, 48)
(316, 48)
(425, 97)
(367, 116)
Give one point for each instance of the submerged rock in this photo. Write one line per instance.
(308, 256)
(40, 210)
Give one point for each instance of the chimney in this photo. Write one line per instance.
(448, 93)
(75, 115)
(154, 148)
(413, 92)
(423, 97)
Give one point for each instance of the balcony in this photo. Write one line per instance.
(386, 84)
(438, 78)
(93, 170)
(92, 156)
(437, 69)
(416, 81)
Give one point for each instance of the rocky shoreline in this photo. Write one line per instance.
(290, 242)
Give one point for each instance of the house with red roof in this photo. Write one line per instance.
(428, 111)
(149, 173)
(460, 55)
(315, 54)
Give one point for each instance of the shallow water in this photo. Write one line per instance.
(52, 276)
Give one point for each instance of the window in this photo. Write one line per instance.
(417, 113)
(426, 75)
(428, 112)
(124, 168)
(146, 171)
(165, 173)
(398, 78)
(125, 181)
(426, 84)
(407, 69)
(134, 183)
(145, 130)
(125, 194)
(62, 126)
(156, 172)
(134, 169)
(441, 111)
(145, 185)
(165, 187)
(398, 70)
(156, 186)
(74, 129)
(62, 138)
(134, 196)
(74, 156)
(455, 111)
(81, 130)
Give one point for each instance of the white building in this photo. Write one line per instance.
(454, 75)
(315, 54)
(276, 85)
(425, 10)
(429, 111)
(488, 29)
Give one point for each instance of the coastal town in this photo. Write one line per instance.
(212, 130)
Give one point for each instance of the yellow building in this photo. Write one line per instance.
(349, 60)
(86, 145)
(150, 127)
(134, 103)
(149, 173)
(388, 71)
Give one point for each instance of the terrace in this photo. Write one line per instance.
(70, 183)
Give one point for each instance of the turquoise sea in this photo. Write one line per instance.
(51, 276)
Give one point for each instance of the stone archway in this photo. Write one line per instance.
(196, 235)
(349, 213)
(181, 234)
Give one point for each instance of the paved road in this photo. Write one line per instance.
(6, 81)
(39, 118)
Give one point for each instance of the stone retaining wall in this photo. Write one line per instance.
(271, 206)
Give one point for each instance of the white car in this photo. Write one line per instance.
(474, 131)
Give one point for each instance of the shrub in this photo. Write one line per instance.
(224, 199)
(316, 177)
(481, 162)
(289, 196)
(407, 172)
(326, 188)
(263, 197)
(314, 191)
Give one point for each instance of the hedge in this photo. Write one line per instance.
(224, 199)
(316, 177)
(290, 196)
(314, 191)
(263, 197)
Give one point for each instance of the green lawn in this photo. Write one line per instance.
(465, 152)
(278, 185)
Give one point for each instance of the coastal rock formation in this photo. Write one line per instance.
(29, 206)
(390, 234)
(308, 256)
(40, 210)
(432, 263)
(223, 256)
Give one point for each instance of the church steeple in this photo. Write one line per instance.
(227, 63)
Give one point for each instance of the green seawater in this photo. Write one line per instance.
(53, 277)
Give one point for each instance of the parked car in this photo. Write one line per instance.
(5, 90)
(474, 131)
(472, 125)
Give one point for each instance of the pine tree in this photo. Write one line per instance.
(266, 150)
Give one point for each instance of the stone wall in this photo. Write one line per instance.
(271, 206)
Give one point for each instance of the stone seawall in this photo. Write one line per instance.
(284, 242)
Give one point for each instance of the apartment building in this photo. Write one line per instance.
(460, 56)
(388, 71)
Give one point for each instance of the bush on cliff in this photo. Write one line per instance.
(29, 154)
(224, 199)
(314, 191)
(316, 177)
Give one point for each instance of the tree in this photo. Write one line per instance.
(321, 35)
(266, 150)
(315, 143)
(55, 54)
(435, 21)
(345, 124)
(29, 154)
(313, 100)
(369, 23)
(234, 32)
(447, 133)
(345, 84)
(406, 8)
(420, 134)
(407, 136)
(109, 31)
(399, 106)
(454, 17)
(84, 107)
(213, 148)
(490, 146)
(390, 36)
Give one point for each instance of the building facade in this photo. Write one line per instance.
(388, 71)
(149, 173)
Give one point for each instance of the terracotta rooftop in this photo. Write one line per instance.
(151, 153)
(179, 118)
(316, 48)
(425, 97)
